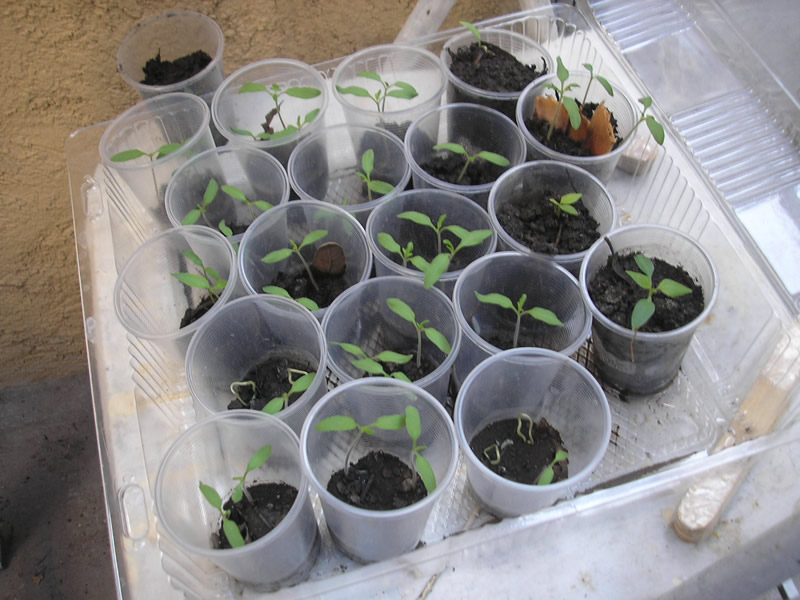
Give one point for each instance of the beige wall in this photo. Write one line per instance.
(59, 74)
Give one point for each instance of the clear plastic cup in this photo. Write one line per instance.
(523, 48)
(657, 356)
(512, 274)
(620, 105)
(258, 175)
(362, 317)
(231, 109)
(326, 166)
(150, 303)
(172, 35)
(392, 62)
(367, 535)
(214, 451)
(244, 333)
(460, 210)
(540, 383)
(166, 119)
(560, 178)
(293, 221)
(476, 128)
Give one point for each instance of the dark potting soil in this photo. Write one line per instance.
(535, 222)
(192, 314)
(378, 481)
(448, 167)
(271, 377)
(493, 69)
(520, 461)
(299, 285)
(271, 503)
(615, 294)
(165, 72)
(560, 140)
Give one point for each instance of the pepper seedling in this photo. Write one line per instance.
(344, 423)
(398, 89)
(540, 314)
(373, 185)
(656, 129)
(278, 255)
(372, 364)
(476, 33)
(230, 528)
(419, 464)
(569, 104)
(404, 311)
(209, 280)
(646, 308)
(134, 153)
(564, 207)
(275, 92)
(212, 189)
(279, 291)
(601, 80)
(492, 157)
(299, 386)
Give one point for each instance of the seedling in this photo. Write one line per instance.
(476, 33)
(601, 80)
(279, 291)
(372, 364)
(238, 194)
(398, 89)
(299, 386)
(564, 206)
(492, 157)
(645, 308)
(419, 464)
(234, 387)
(134, 153)
(230, 528)
(656, 129)
(546, 478)
(275, 92)
(388, 242)
(209, 280)
(404, 311)
(441, 262)
(562, 73)
(284, 253)
(343, 423)
(540, 314)
(212, 189)
(373, 185)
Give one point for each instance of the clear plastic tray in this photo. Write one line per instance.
(658, 446)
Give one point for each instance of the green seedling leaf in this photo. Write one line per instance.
(192, 257)
(354, 90)
(387, 241)
(456, 148)
(573, 111)
(276, 291)
(497, 299)
(370, 366)
(417, 217)
(237, 494)
(308, 303)
(263, 205)
(127, 155)
(312, 237)
(437, 267)
(233, 534)
(337, 423)
(303, 383)
(191, 217)
(277, 255)
(546, 478)
(259, 458)
(420, 263)
(656, 129)
(402, 309)
(494, 158)
(243, 132)
(252, 87)
(168, 149)
(672, 288)
(645, 265)
(387, 356)
(310, 116)
(306, 93)
(642, 280)
(211, 192)
(192, 280)
(552, 86)
(472, 28)
(606, 85)
(381, 187)
(589, 68)
(368, 161)
(561, 71)
(406, 87)
(413, 423)
(234, 192)
(274, 406)
(390, 422)
(226, 231)
(401, 376)
(647, 102)
(370, 75)
(438, 340)
(642, 312)
(473, 238)
(544, 315)
(426, 473)
(211, 496)
(350, 348)
(402, 94)
(570, 198)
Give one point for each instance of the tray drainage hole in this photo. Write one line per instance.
(133, 507)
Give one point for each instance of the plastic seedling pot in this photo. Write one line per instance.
(523, 48)
(656, 356)
(516, 185)
(361, 316)
(392, 63)
(620, 105)
(460, 211)
(172, 35)
(367, 535)
(256, 174)
(546, 284)
(152, 124)
(539, 383)
(328, 165)
(474, 127)
(243, 334)
(232, 109)
(291, 222)
(214, 451)
(150, 303)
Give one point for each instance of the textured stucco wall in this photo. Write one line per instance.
(59, 66)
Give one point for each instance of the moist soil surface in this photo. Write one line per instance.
(410, 369)
(271, 503)
(271, 377)
(378, 481)
(560, 140)
(536, 222)
(192, 314)
(615, 294)
(448, 167)
(299, 285)
(493, 69)
(521, 461)
(165, 72)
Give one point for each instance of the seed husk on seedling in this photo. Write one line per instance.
(540, 314)
(492, 157)
(398, 89)
(134, 153)
(372, 364)
(405, 312)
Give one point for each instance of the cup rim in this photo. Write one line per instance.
(643, 335)
(178, 85)
(425, 502)
(286, 522)
(463, 443)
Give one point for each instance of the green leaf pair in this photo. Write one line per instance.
(645, 308)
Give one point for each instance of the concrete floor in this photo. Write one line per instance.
(52, 514)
